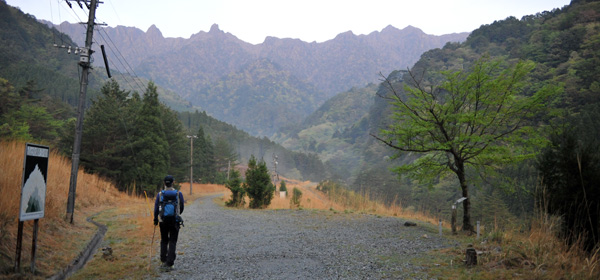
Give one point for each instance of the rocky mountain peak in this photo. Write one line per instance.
(215, 29)
(154, 33)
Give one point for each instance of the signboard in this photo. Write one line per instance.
(33, 188)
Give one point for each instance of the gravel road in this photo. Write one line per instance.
(222, 243)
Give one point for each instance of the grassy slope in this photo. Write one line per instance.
(58, 241)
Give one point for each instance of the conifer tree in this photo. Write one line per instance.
(225, 158)
(237, 191)
(204, 157)
(282, 186)
(177, 143)
(150, 143)
(105, 134)
(258, 184)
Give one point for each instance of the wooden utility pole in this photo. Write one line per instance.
(84, 62)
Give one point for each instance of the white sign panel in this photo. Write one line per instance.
(33, 188)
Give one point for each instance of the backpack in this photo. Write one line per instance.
(169, 206)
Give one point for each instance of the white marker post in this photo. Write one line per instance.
(453, 219)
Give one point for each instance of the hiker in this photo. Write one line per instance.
(167, 209)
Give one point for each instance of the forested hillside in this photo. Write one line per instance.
(260, 98)
(217, 72)
(27, 53)
(132, 134)
(332, 130)
(562, 45)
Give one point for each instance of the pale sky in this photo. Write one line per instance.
(308, 20)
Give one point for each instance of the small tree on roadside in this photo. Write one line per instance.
(258, 184)
(282, 186)
(473, 118)
(237, 191)
(296, 197)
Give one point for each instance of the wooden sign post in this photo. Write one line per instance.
(33, 196)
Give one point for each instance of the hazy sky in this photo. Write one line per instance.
(308, 20)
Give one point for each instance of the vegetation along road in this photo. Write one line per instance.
(226, 243)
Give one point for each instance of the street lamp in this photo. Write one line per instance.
(191, 160)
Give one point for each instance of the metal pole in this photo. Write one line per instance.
(191, 160)
(34, 244)
(191, 163)
(453, 219)
(19, 246)
(84, 62)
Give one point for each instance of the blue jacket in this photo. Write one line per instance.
(157, 202)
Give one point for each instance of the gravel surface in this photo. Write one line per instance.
(223, 243)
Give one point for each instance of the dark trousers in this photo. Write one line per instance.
(168, 242)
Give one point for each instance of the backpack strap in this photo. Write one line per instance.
(178, 206)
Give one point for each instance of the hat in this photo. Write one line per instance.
(169, 180)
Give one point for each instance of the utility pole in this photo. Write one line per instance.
(191, 160)
(275, 169)
(84, 62)
(228, 168)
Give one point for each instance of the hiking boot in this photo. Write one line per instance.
(164, 266)
(170, 268)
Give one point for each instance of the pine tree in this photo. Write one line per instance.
(282, 186)
(177, 143)
(258, 184)
(204, 158)
(150, 143)
(104, 141)
(237, 190)
(225, 157)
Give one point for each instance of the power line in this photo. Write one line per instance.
(85, 62)
(125, 66)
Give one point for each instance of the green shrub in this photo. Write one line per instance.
(237, 191)
(282, 187)
(296, 197)
(258, 184)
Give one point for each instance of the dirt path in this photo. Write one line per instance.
(223, 243)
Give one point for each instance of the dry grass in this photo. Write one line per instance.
(340, 201)
(58, 241)
(537, 254)
(130, 232)
(128, 219)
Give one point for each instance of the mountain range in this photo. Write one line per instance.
(221, 74)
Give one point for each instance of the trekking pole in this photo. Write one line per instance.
(151, 244)
(148, 202)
